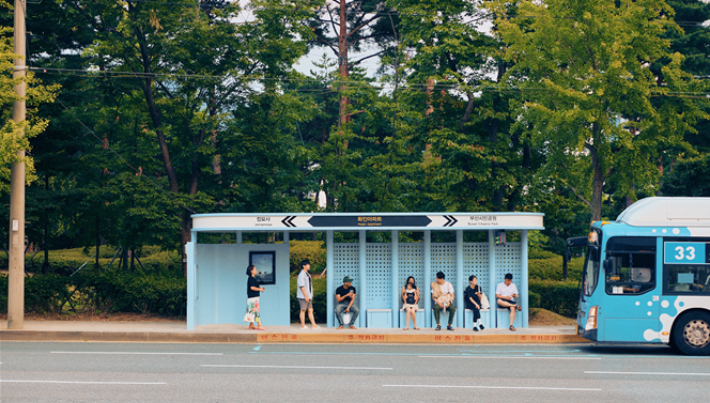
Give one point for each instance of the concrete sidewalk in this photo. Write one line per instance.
(176, 332)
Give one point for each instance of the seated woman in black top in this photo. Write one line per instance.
(253, 291)
(472, 297)
(410, 297)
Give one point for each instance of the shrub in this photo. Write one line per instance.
(551, 268)
(311, 250)
(319, 300)
(107, 292)
(557, 296)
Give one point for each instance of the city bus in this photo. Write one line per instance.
(646, 276)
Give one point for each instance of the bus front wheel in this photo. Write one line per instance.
(691, 334)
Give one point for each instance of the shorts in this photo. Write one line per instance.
(305, 305)
(506, 307)
(407, 306)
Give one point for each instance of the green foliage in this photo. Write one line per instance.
(105, 292)
(311, 250)
(688, 178)
(561, 297)
(319, 301)
(550, 268)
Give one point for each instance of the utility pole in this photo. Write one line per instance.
(16, 277)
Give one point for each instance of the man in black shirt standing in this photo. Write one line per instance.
(345, 295)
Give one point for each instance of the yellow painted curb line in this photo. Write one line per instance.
(418, 339)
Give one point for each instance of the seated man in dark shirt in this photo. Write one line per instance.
(472, 297)
(345, 295)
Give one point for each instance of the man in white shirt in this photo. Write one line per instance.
(443, 293)
(304, 293)
(506, 295)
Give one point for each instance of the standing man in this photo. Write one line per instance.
(506, 293)
(443, 293)
(305, 294)
(345, 295)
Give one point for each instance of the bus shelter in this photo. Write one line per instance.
(216, 282)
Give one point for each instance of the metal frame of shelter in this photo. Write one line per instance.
(379, 269)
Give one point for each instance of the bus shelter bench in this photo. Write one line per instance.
(403, 318)
(485, 318)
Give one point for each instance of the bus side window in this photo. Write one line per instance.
(633, 266)
(687, 279)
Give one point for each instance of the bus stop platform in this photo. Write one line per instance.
(175, 332)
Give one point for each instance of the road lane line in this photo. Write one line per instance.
(492, 387)
(257, 348)
(127, 353)
(521, 356)
(288, 367)
(82, 383)
(649, 373)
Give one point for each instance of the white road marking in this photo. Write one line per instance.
(491, 387)
(288, 367)
(649, 373)
(128, 353)
(82, 383)
(499, 357)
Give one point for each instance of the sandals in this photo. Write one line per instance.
(261, 328)
(416, 328)
(252, 327)
(438, 327)
(519, 308)
(512, 328)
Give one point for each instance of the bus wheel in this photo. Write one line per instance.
(691, 334)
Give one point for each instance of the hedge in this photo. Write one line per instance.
(103, 292)
(557, 296)
(311, 250)
(319, 300)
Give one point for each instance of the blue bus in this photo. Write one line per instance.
(646, 276)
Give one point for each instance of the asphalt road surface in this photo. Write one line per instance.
(131, 372)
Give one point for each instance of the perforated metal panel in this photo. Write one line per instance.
(346, 262)
(379, 276)
(508, 260)
(443, 258)
(411, 263)
(475, 261)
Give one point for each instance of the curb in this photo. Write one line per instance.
(325, 338)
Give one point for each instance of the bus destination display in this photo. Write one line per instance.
(686, 253)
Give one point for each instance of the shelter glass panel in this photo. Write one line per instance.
(379, 276)
(475, 262)
(346, 262)
(411, 263)
(509, 260)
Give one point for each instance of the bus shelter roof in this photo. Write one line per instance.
(308, 222)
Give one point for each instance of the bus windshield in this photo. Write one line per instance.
(591, 270)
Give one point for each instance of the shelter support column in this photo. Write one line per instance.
(492, 276)
(395, 279)
(460, 305)
(239, 237)
(191, 281)
(427, 279)
(330, 291)
(363, 278)
(524, 281)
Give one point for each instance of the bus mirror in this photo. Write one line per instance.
(608, 264)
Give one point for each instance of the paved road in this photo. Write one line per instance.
(115, 372)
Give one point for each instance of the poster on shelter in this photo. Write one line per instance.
(265, 263)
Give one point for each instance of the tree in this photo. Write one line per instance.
(14, 137)
(583, 68)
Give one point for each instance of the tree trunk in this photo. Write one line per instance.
(343, 63)
(597, 178)
(45, 246)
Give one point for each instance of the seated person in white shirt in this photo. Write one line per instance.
(443, 294)
(506, 294)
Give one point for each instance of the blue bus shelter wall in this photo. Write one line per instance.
(503, 318)
(221, 282)
(444, 318)
(485, 318)
(379, 318)
(403, 319)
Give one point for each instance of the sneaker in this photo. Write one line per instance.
(438, 327)
(482, 327)
(449, 328)
(475, 328)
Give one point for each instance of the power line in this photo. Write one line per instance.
(350, 83)
(120, 157)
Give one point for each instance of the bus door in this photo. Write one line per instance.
(631, 308)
